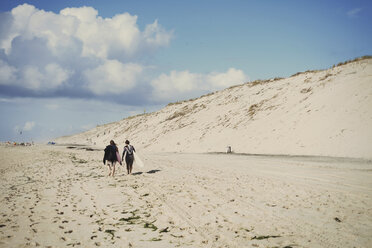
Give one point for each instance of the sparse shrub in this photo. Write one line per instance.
(252, 109)
(134, 116)
(308, 71)
(354, 60)
(234, 86)
(191, 99)
(258, 82)
(277, 78)
(296, 74)
(176, 115)
(306, 90)
(174, 103)
(325, 77)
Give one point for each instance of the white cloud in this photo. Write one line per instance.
(99, 36)
(55, 74)
(181, 85)
(78, 53)
(112, 77)
(102, 37)
(157, 35)
(29, 125)
(183, 81)
(20, 17)
(223, 80)
(52, 50)
(7, 73)
(354, 12)
(49, 77)
(84, 14)
(32, 77)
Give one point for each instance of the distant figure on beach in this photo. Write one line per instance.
(110, 157)
(228, 149)
(129, 156)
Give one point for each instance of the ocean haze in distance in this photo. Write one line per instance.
(68, 66)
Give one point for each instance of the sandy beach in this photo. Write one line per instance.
(54, 196)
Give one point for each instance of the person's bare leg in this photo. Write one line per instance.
(109, 168)
(113, 169)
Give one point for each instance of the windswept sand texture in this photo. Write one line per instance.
(52, 196)
(327, 113)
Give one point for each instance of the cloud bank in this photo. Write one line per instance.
(77, 53)
(182, 85)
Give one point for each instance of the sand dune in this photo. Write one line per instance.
(189, 194)
(59, 197)
(322, 113)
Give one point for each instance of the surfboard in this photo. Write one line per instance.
(118, 157)
(137, 160)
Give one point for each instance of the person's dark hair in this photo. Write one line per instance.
(112, 143)
(127, 142)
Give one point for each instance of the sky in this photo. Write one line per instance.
(68, 66)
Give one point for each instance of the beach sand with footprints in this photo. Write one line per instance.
(54, 196)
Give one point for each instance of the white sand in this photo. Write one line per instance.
(322, 113)
(57, 197)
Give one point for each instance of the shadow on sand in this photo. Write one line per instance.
(149, 172)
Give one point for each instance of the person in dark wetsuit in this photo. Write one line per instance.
(110, 157)
(129, 156)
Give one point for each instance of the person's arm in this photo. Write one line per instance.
(133, 148)
(122, 157)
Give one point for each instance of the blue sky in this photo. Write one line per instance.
(67, 66)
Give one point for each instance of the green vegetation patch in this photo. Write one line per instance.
(112, 232)
(131, 220)
(265, 237)
(177, 236)
(164, 230)
(151, 226)
(155, 239)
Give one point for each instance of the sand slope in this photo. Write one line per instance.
(59, 197)
(326, 113)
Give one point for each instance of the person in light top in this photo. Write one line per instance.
(129, 156)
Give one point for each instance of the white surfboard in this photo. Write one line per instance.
(137, 160)
(118, 157)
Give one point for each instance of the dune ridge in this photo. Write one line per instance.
(317, 113)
